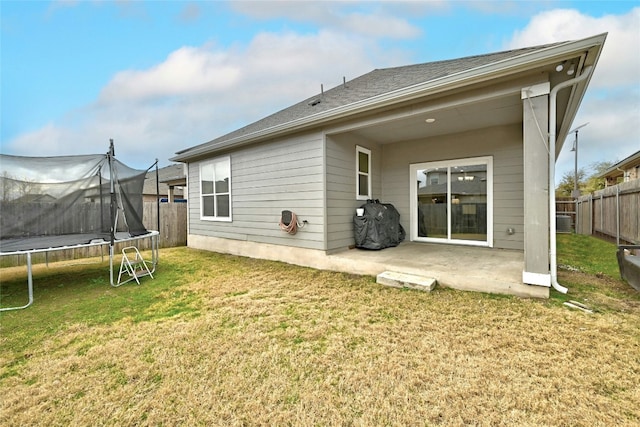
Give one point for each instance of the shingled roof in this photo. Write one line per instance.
(165, 174)
(373, 84)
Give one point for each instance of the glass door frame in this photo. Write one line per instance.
(448, 164)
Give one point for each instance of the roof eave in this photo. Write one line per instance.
(618, 166)
(579, 90)
(450, 82)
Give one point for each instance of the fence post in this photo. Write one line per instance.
(591, 214)
(619, 219)
(602, 211)
(617, 215)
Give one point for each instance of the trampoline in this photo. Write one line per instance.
(50, 204)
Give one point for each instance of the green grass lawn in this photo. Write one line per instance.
(223, 340)
(587, 254)
(588, 266)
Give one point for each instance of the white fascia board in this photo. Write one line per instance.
(579, 90)
(475, 75)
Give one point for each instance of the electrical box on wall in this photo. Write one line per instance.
(286, 217)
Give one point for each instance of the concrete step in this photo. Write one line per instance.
(404, 280)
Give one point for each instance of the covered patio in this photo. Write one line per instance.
(460, 267)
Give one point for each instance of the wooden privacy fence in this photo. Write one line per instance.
(173, 223)
(465, 218)
(565, 214)
(173, 232)
(614, 212)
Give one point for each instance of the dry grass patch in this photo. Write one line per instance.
(272, 344)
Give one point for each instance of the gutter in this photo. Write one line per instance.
(553, 255)
(635, 156)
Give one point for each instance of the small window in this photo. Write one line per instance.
(215, 189)
(363, 176)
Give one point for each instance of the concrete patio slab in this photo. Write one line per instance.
(466, 268)
(459, 267)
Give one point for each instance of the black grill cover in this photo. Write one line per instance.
(379, 227)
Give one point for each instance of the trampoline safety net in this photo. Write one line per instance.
(58, 201)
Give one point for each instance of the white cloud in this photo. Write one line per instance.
(379, 25)
(46, 141)
(190, 12)
(200, 93)
(187, 70)
(306, 11)
(611, 105)
(371, 19)
(620, 60)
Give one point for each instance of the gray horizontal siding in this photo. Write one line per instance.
(265, 180)
(341, 187)
(504, 144)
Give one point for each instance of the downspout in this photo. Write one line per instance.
(553, 254)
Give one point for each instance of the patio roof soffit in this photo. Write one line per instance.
(476, 96)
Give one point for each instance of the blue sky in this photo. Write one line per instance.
(161, 76)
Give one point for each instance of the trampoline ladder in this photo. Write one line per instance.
(133, 265)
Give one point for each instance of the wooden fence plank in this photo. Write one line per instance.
(613, 211)
(173, 232)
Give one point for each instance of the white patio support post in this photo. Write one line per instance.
(170, 194)
(535, 104)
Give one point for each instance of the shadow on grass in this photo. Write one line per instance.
(67, 294)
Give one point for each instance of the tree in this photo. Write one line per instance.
(593, 182)
(11, 188)
(586, 184)
(565, 187)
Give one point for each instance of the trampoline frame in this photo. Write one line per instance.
(152, 234)
(114, 236)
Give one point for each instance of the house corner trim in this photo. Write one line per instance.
(536, 279)
(535, 90)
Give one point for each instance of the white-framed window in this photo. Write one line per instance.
(459, 207)
(215, 189)
(363, 173)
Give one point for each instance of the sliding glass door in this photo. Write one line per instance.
(452, 201)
